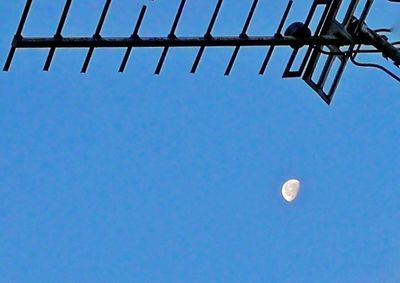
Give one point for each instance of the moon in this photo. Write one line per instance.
(290, 190)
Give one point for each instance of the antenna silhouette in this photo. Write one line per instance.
(332, 40)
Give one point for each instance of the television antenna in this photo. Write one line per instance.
(332, 40)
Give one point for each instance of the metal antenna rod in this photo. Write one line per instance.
(242, 35)
(170, 36)
(157, 42)
(58, 34)
(388, 50)
(96, 35)
(135, 34)
(18, 35)
(207, 35)
(278, 33)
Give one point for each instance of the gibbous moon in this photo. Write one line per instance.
(290, 190)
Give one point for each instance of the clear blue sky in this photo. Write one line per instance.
(109, 177)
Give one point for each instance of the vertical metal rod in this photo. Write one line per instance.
(18, 35)
(171, 35)
(364, 15)
(311, 13)
(232, 61)
(328, 14)
(134, 35)
(58, 34)
(87, 60)
(287, 73)
(10, 56)
(207, 35)
(343, 64)
(103, 17)
(139, 21)
(313, 54)
(161, 61)
(325, 71)
(266, 60)
(177, 18)
(96, 35)
(249, 18)
(278, 33)
(242, 35)
(284, 17)
(63, 17)
(337, 78)
(197, 60)
(24, 17)
(49, 59)
(214, 18)
(333, 10)
(350, 11)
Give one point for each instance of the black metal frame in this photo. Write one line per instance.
(319, 85)
(329, 34)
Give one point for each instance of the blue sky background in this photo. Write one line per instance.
(109, 177)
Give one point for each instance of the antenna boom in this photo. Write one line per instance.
(143, 42)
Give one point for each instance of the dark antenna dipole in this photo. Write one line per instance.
(332, 40)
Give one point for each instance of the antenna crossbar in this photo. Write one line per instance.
(146, 42)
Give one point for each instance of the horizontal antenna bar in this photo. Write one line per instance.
(125, 42)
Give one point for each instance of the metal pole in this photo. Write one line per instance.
(388, 50)
(126, 42)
